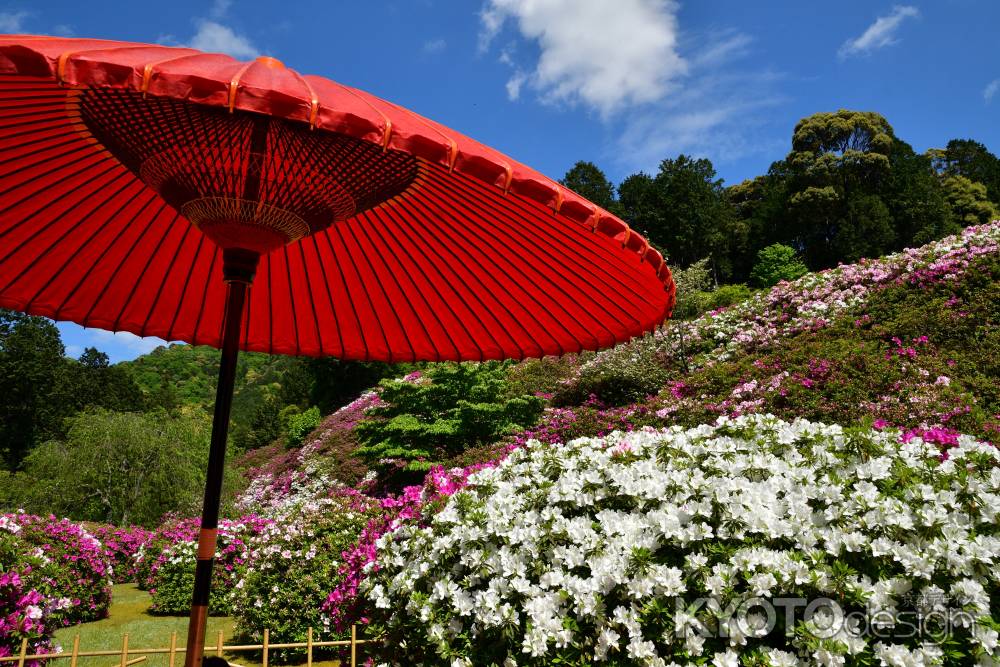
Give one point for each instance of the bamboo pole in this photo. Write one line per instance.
(354, 645)
(267, 638)
(309, 647)
(218, 645)
(173, 647)
(24, 652)
(76, 650)
(124, 662)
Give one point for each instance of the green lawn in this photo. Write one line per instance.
(130, 614)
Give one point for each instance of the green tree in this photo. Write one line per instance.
(837, 167)
(587, 180)
(32, 374)
(119, 467)
(971, 159)
(453, 407)
(776, 263)
(969, 201)
(301, 424)
(915, 199)
(683, 211)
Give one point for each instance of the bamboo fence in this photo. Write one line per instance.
(174, 650)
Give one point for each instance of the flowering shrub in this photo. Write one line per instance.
(292, 565)
(279, 477)
(78, 571)
(343, 606)
(661, 547)
(171, 577)
(53, 573)
(24, 612)
(810, 303)
(121, 546)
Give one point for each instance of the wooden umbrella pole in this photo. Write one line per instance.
(238, 271)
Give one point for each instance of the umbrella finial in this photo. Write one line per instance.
(268, 61)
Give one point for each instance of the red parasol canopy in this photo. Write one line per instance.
(144, 188)
(440, 249)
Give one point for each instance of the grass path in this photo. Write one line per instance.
(130, 613)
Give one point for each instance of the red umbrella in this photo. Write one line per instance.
(144, 188)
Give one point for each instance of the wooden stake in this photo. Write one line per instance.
(173, 647)
(354, 645)
(76, 651)
(24, 652)
(309, 647)
(218, 646)
(267, 639)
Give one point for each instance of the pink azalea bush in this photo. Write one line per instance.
(53, 573)
(121, 544)
(343, 606)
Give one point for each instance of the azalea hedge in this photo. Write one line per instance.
(672, 546)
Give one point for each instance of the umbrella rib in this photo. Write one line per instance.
(399, 286)
(543, 240)
(598, 260)
(66, 233)
(126, 256)
(329, 295)
(36, 179)
(391, 213)
(459, 229)
(107, 284)
(475, 294)
(57, 115)
(312, 301)
(350, 299)
(419, 292)
(88, 241)
(472, 202)
(291, 301)
(528, 250)
(166, 273)
(55, 131)
(385, 296)
(187, 279)
(204, 298)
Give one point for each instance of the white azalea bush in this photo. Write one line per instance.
(752, 541)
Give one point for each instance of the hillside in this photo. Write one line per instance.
(911, 340)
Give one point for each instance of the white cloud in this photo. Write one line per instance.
(434, 46)
(879, 34)
(12, 22)
(606, 55)
(125, 343)
(514, 84)
(217, 38)
(721, 116)
(991, 89)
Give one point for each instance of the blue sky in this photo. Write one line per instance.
(623, 83)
